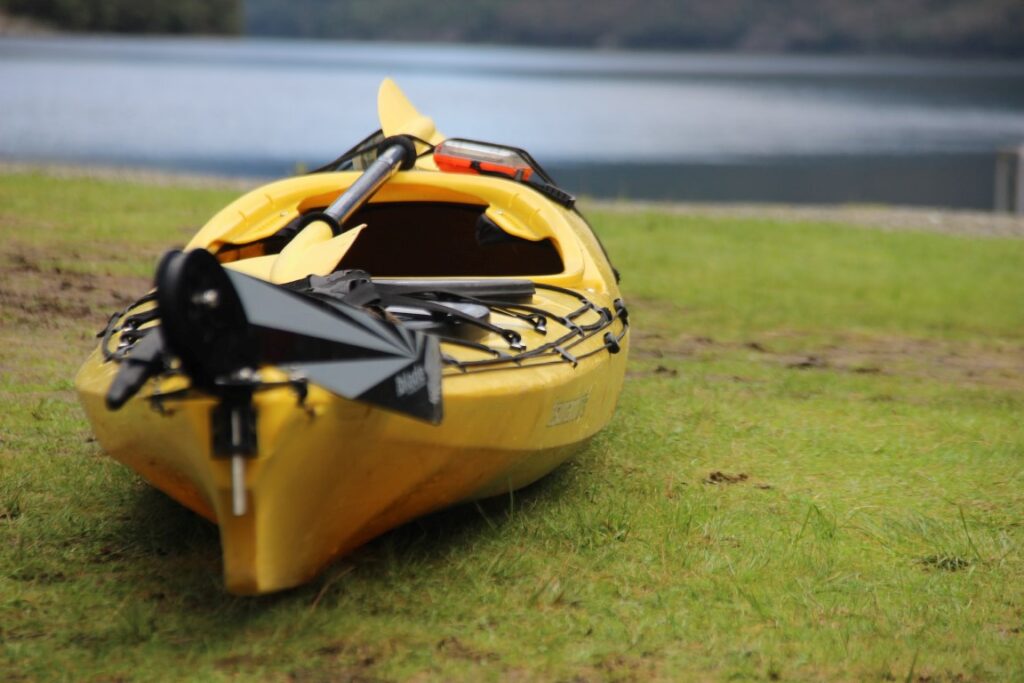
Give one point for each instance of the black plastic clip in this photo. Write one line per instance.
(611, 343)
(621, 311)
(567, 356)
(514, 339)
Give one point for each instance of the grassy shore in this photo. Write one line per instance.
(816, 473)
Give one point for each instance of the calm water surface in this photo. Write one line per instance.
(648, 125)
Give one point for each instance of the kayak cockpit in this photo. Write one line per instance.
(420, 224)
(421, 239)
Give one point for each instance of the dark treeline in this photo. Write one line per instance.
(951, 27)
(132, 16)
(938, 27)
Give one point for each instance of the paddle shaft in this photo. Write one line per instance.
(365, 186)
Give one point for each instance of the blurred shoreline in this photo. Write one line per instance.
(881, 217)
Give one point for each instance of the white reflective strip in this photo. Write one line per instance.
(238, 485)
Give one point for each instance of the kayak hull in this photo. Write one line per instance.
(329, 473)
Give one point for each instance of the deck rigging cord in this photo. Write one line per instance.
(379, 297)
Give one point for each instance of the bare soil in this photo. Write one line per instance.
(45, 310)
(34, 294)
(995, 366)
(718, 477)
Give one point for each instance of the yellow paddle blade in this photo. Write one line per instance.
(257, 266)
(312, 252)
(398, 116)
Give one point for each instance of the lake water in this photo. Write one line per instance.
(652, 125)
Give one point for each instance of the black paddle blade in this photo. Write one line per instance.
(219, 321)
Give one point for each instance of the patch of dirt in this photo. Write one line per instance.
(453, 647)
(968, 363)
(734, 379)
(718, 477)
(947, 677)
(810, 361)
(234, 663)
(655, 345)
(345, 661)
(34, 294)
(106, 554)
(958, 363)
(621, 667)
(949, 563)
(11, 511)
(660, 370)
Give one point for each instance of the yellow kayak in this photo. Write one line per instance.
(425, 321)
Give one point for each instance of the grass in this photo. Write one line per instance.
(815, 473)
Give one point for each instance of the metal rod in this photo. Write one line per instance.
(238, 501)
(366, 185)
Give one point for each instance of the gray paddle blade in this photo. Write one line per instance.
(345, 349)
(409, 386)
